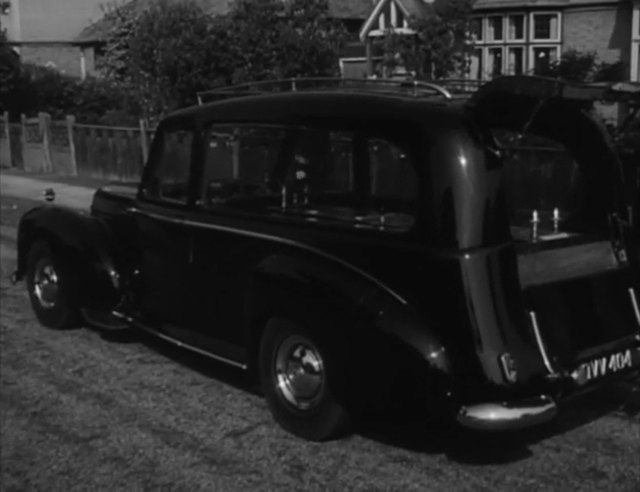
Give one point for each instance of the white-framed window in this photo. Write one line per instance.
(635, 43)
(476, 64)
(516, 60)
(542, 56)
(544, 26)
(495, 28)
(516, 43)
(495, 61)
(516, 27)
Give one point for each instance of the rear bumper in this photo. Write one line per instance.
(496, 416)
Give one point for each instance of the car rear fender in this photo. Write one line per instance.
(375, 316)
(83, 244)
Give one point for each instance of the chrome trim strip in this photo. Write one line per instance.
(634, 302)
(540, 342)
(507, 415)
(269, 237)
(180, 344)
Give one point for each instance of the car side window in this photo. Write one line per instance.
(352, 179)
(240, 166)
(329, 177)
(171, 167)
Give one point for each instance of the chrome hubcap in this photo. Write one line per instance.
(299, 372)
(45, 283)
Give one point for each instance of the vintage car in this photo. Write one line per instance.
(351, 243)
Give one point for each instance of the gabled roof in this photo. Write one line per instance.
(409, 8)
(338, 9)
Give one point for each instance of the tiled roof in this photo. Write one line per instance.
(338, 9)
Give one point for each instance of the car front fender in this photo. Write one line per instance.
(85, 246)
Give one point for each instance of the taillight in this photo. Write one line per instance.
(509, 367)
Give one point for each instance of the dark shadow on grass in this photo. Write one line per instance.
(204, 365)
(403, 429)
(620, 400)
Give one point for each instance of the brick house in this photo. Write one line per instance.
(69, 34)
(44, 32)
(523, 36)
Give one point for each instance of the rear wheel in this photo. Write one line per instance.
(300, 377)
(50, 287)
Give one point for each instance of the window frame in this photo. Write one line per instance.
(532, 59)
(292, 213)
(487, 30)
(532, 25)
(488, 74)
(634, 74)
(155, 153)
(507, 64)
(200, 188)
(523, 39)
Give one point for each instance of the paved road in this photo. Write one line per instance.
(87, 410)
(30, 188)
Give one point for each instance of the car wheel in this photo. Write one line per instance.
(50, 286)
(300, 377)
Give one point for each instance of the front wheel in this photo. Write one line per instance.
(300, 377)
(50, 287)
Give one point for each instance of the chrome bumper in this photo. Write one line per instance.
(507, 415)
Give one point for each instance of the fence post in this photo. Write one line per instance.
(23, 139)
(71, 120)
(45, 131)
(7, 137)
(144, 141)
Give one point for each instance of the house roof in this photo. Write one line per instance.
(509, 4)
(418, 8)
(338, 9)
(410, 8)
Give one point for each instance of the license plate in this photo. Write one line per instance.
(603, 366)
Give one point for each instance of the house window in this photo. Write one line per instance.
(545, 27)
(476, 65)
(514, 43)
(635, 44)
(495, 28)
(542, 57)
(515, 60)
(516, 27)
(477, 32)
(494, 61)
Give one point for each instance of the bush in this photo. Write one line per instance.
(94, 100)
(581, 67)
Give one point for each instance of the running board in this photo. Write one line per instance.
(178, 343)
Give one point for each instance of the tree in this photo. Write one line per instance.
(274, 39)
(440, 43)
(164, 52)
(9, 72)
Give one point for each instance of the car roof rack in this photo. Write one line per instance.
(447, 89)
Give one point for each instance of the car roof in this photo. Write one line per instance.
(322, 105)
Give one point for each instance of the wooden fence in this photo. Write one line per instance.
(43, 145)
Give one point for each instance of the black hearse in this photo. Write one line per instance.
(350, 241)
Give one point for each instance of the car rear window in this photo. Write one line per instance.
(543, 179)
